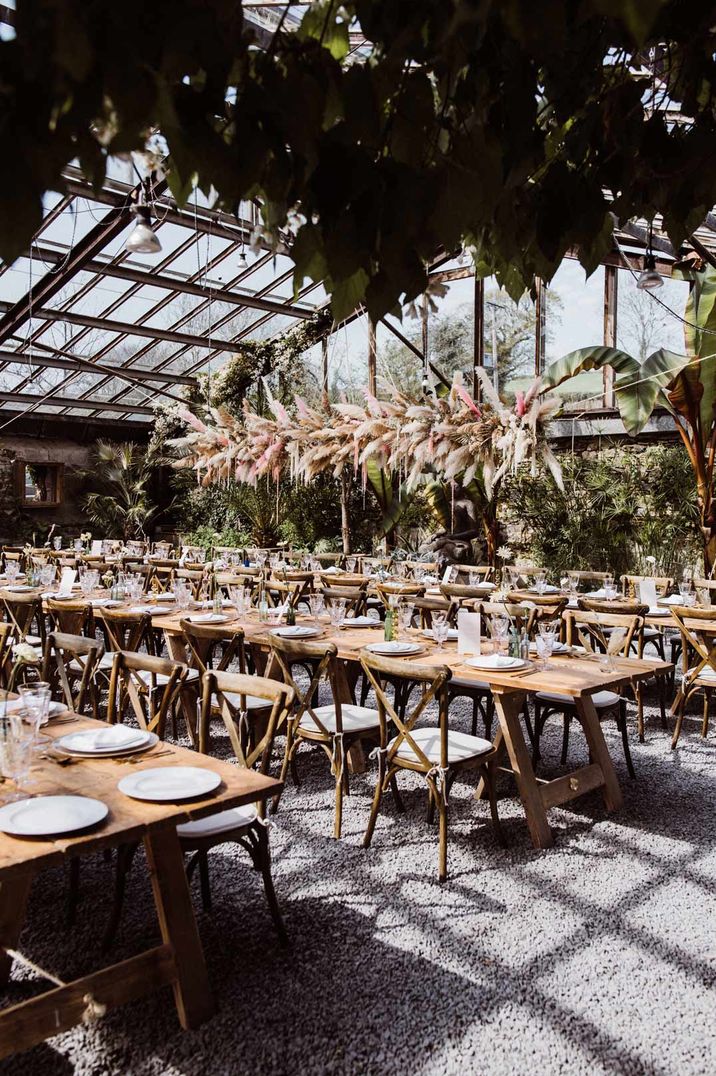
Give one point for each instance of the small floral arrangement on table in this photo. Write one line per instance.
(25, 656)
(86, 538)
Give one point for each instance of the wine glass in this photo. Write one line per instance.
(499, 627)
(350, 564)
(573, 583)
(541, 581)
(337, 611)
(57, 544)
(47, 575)
(546, 638)
(36, 707)
(441, 628)
(12, 570)
(317, 605)
(405, 617)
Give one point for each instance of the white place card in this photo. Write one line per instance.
(96, 546)
(647, 592)
(450, 574)
(68, 577)
(469, 636)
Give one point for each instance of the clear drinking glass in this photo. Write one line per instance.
(47, 575)
(15, 759)
(540, 581)
(405, 617)
(317, 605)
(12, 570)
(350, 564)
(441, 628)
(573, 583)
(500, 626)
(57, 544)
(337, 611)
(36, 708)
(610, 591)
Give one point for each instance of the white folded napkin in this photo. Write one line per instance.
(601, 593)
(494, 661)
(360, 622)
(101, 739)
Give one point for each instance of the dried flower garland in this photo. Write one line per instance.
(452, 436)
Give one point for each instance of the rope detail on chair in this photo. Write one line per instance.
(338, 756)
(439, 775)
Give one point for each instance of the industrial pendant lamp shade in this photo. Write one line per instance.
(650, 278)
(142, 239)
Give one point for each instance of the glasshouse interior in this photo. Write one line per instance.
(358, 537)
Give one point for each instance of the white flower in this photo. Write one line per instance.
(24, 653)
(650, 560)
(504, 552)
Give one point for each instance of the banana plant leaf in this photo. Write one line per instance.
(393, 503)
(638, 393)
(588, 358)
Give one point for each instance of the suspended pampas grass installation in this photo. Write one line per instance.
(451, 436)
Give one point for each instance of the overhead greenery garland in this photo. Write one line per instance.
(451, 436)
(518, 129)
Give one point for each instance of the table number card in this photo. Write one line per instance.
(647, 592)
(96, 546)
(67, 578)
(469, 636)
(450, 574)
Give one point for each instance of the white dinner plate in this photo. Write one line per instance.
(45, 816)
(105, 742)
(295, 631)
(484, 585)
(452, 634)
(361, 622)
(394, 649)
(496, 662)
(169, 784)
(658, 610)
(207, 618)
(21, 588)
(558, 648)
(151, 609)
(547, 589)
(56, 708)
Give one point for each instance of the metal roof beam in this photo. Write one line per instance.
(111, 225)
(108, 325)
(64, 401)
(54, 362)
(156, 280)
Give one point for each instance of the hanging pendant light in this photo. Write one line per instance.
(242, 262)
(650, 278)
(142, 239)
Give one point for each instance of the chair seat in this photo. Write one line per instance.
(33, 640)
(354, 718)
(251, 702)
(651, 633)
(472, 685)
(603, 700)
(214, 824)
(460, 746)
(707, 675)
(161, 679)
(104, 663)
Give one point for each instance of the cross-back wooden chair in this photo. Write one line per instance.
(6, 644)
(630, 584)
(354, 597)
(146, 685)
(71, 617)
(460, 592)
(216, 648)
(144, 571)
(194, 578)
(334, 727)
(608, 633)
(429, 604)
(485, 571)
(24, 613)
(586, 577)
(163, 573)
(253, 748)
(439, 753)
(278, 593)
(697, 628)
(68, 665)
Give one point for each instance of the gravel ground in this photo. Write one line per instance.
(596, 956)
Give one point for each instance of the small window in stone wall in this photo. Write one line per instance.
(39, 485)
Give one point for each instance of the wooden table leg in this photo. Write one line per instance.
(192, 994)
(587, 715)
(176, 648)
(508, 707)
(355, 754)
(13, 905)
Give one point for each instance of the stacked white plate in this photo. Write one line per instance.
(658, 610)
(50, 816)
(105, 743)
(19, 588)
(361, 622)
(295, 631)
(154, 609)
(207, 618)
(55, 709)
(496, 662)
(558, 648)
(169, 784)
(452, 634)
(394, 649)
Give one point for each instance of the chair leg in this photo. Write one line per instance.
(377, 796)
(288, 761)
(204, 882)
(125, 855)
(430, 817)
(475, 711)
(73, 891)
(662, 700)
(705, 721)
(528, 723)
(338, 821)
(264, 865)
(489, 716)
(399, 805)
(443, 824)
(539, 725)
(489, 773)
(622, 724)
(639, 696)
(566, 725)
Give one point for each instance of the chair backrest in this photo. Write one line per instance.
(354, 597)
(250, 731)
(6, 645)
(428, 605)
(278, 593)
(458, 592)
(62, 649)
(698, 631)
(123, 630)
(386, 591)
(588, 577)
(194, 577)
(433, 681)
(148, 684)
(205, 641)
(70, 617)
(23, 611)
(485, 571)
(630, 584)
(599, 605)
(322, 658)
(707, 588)
(524, 615)
(589, 628)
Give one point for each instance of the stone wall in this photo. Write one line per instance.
(18, 521)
